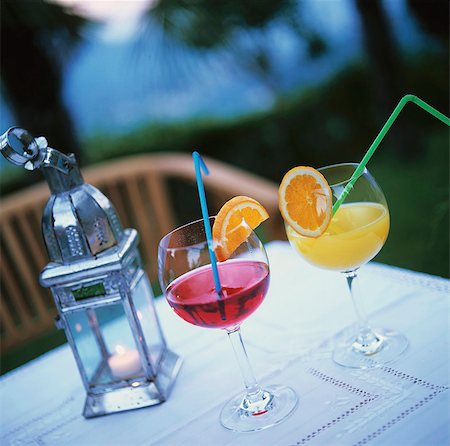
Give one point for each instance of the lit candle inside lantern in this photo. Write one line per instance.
(125, 363)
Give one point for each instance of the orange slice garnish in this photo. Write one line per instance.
(304, 199)
(228, 231)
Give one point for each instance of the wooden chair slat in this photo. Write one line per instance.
(160, 199)
(9, 327)
(30, 281)
(35, 250)
(31, 241)
(113, 193)
(144, 220)
(16, 295)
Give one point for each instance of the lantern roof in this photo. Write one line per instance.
(115, 259)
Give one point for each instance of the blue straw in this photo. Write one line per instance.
(200, 165)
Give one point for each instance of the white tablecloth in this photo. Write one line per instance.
(289, 341)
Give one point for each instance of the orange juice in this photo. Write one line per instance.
(354, 236)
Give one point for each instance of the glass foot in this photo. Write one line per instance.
(275, 404)
(387, 347)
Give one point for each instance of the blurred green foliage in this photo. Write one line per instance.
(418, 197)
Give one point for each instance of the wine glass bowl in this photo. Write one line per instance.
(355, 235)
(357, 231)
(187, 277)
(244, 278)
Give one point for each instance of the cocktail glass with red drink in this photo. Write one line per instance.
(186, 276)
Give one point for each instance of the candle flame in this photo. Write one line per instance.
(120, 349)
(139, 315)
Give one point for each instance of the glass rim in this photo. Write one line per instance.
(179, 228)
(320, 169)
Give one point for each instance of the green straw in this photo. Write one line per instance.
(362, 165)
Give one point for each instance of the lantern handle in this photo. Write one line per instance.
(21, 148)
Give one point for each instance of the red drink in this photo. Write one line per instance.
(194, 298)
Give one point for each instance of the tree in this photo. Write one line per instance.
(382, 50)
(385, 64)
(36, 39)
(433, 17)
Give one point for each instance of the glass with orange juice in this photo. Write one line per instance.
(341, 242)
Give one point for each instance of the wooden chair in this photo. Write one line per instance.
(145, 191)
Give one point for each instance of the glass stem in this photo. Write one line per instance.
(253, 390)
(366, 340)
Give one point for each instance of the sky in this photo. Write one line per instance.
(107, 10)
(120, 17)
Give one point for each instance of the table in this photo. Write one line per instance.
(289, 341)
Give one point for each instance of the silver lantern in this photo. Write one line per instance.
(103, 296)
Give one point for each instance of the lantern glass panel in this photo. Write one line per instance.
(142, 298)
(122, 358)
(85, 342)
(105, 345)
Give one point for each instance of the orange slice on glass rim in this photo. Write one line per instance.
(305, 200)
(228, 231)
